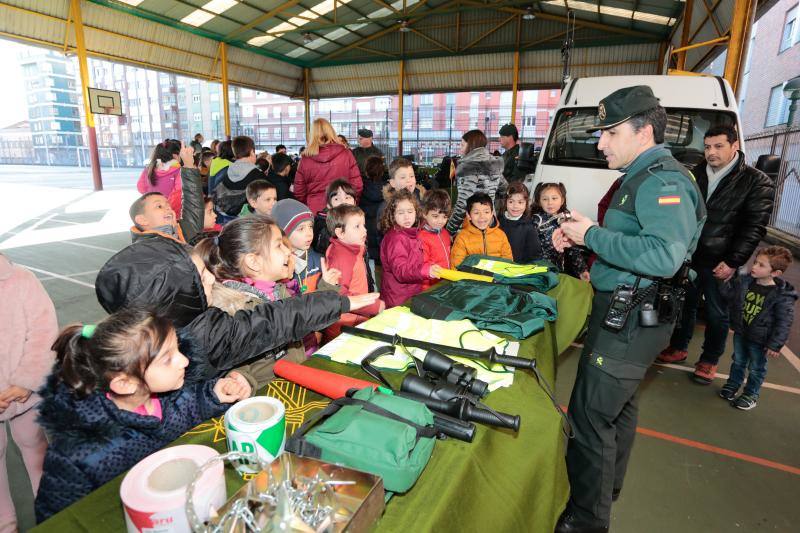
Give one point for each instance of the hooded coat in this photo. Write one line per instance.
(158, 273)
(92, 440)
(773, 324)
(478, 171)
(28, 327)
(404, 266)
(316, 172)
(230, 191)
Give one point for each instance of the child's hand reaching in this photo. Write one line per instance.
(331, 275)
(772, 353)
(187, 156)
(230, 390)
(585, 276)
(435, 271)
(362, 300)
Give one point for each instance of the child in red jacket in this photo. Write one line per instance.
(435, 239)
(347, 254)
(404, 264)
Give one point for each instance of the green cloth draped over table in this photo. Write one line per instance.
(500, 482)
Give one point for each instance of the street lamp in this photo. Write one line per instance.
(792, 93)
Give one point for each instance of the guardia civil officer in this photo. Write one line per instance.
(365, 149)
(649, 232)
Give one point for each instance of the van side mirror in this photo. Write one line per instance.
(769, 164)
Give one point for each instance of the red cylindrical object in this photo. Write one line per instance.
(328, 384)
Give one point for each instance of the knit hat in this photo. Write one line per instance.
(289, 214)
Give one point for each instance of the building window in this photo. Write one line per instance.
(789, 30)
(292, 132)
(426, 99)
(198, 117)
(195, 98)
(292, 111)
(778, 110)
(276, 112)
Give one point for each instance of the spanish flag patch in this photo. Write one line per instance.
(669, 200)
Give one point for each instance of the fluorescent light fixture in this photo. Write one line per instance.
(133, 3)
(198, 17)
(220, 6)
(613, 12)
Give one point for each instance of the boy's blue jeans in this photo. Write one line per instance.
(748, 354)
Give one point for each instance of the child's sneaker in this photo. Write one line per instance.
(728, 392)
(704, 373)
(745, 402)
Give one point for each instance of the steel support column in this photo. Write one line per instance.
(226, 104)
(83, 66)
(737, 46)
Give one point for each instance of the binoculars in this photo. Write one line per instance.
(447, 399)
(462, 377)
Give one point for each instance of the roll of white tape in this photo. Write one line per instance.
(153, 492)
(256, 425)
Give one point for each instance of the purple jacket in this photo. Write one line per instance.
(404, 266)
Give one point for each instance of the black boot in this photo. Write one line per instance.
(569, 524)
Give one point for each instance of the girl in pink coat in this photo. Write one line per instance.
(28, 327)
(163, 174)
(402, 256)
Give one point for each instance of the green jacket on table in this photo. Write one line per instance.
(652, 224)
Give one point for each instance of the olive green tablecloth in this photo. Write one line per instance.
(502, 481)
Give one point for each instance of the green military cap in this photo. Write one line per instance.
(509, 130)
(622, 104)
(364, 132)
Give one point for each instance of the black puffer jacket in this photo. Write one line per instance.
(773, 324)
(738, 213)
(158, 273)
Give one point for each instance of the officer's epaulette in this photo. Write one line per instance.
(655, 166)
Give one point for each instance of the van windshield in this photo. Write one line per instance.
(570, 145)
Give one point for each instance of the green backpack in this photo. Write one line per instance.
(504, 308)
(379, 433)
(541, 275)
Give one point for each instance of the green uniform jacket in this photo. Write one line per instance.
(511, 171)
(652, 224)
(362, 154)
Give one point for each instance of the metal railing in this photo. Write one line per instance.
(785, 144)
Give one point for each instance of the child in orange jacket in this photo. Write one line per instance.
(436, 241)
(481, 233)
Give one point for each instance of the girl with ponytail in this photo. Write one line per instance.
(163, 173)
(116, 395)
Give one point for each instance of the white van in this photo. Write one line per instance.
(570, 156)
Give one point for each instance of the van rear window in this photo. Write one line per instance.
(570, 145)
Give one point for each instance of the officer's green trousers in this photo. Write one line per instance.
(603, 408)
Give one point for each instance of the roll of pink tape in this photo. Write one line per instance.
(153, 492)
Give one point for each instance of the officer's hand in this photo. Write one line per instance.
(560, 241)
(576, 229)
(723, 271)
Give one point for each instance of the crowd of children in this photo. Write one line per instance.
(194, 327)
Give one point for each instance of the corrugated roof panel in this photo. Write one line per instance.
(539, 68)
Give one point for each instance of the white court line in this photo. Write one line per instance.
(92, 246)
(791, 357)
(71, 275)
(784, 388)
(58, 276)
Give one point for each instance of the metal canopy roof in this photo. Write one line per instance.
(445, 44)
(313, 33)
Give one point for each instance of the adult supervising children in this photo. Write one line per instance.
(649, 232)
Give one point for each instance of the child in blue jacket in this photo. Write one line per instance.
(115, 396)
